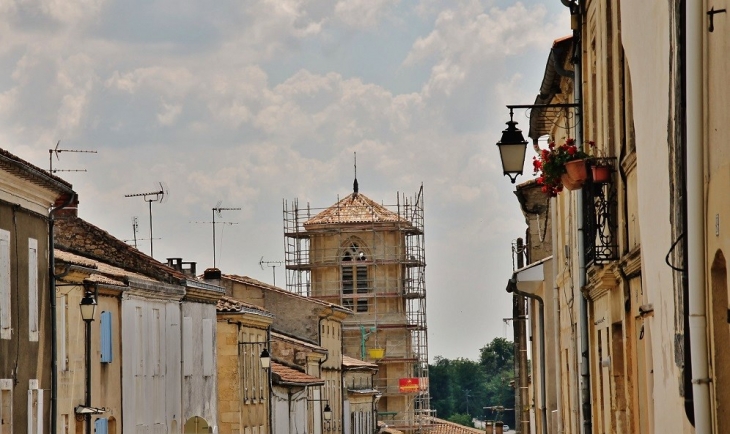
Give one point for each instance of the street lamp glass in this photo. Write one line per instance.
(512, 149)
(88, 306)
(265, 359)
(327, 413)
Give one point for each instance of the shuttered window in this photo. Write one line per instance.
(106, 337)
(33, 290)
(101, 426)
(35, 408)
(207, 347)
(5, 327)
(187, 335)
(6, 406)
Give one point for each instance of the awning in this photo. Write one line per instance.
(529, 279)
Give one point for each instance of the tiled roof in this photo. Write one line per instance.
(257, 283)
(285, 375)
(76, 235)
(231, 305)
(104, 273)
(311, 346)
(21, 168)
(355, 208)
(441, 426)
(351, 362)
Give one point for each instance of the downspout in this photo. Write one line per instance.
(512, 287)
(52, 289)
(271, 388)
(696, 217)
(585, 373)
(556, 319)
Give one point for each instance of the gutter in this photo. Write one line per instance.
(696, 248)
(52, 288)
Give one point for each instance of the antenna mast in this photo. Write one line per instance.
(272, 264)
(217, 210)
(153, 196)
(58, 151)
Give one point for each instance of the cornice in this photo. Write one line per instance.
(631, 263)
(601, 280)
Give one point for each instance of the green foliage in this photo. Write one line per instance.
(461, 388)
(461, 419)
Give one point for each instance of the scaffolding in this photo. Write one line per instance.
(370, 258)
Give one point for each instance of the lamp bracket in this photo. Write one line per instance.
(549, 114)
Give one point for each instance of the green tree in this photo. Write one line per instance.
(461, 419)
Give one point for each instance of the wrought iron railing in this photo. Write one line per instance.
(600, 229)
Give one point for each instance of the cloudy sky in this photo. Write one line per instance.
(258, 101)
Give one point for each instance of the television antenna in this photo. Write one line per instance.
(217, 210)
(135, 229)
(160, 196)
(58, 151)
(272, 264)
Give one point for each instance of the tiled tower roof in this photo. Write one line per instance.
(355, 208)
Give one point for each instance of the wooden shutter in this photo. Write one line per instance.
(106, 337)
(187, 334)
(101, 426)
(32, 290)
(5, 327)
(207, 347)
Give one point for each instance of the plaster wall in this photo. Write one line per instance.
(199, 389)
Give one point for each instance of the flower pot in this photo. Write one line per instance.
(570, 183)
(601, 174)
(576, 169)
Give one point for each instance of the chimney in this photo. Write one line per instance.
(212, 275)
(70, 210)
(187, 268)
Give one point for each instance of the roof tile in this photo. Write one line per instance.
(355, 208)
(284, 374)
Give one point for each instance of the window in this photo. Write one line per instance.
(101, 426)
(208, 347)
(62, 338)
(35, 408)
(187, 334)
(32, 290)
(5, 327)
(106, 337)
(6, 406)
(355, 279)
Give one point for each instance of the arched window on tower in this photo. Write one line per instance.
(355, 279)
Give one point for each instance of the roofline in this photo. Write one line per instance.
(36, 172)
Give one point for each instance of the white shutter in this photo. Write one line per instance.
(5, 330)
(35, 408)
(6, 405)
(187, 333)
(61, 319)
(207, 347)
(32, 290)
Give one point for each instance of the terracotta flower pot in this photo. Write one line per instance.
(576, 169)
(570, 183)
(601, 174)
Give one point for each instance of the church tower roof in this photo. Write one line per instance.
(355, 208)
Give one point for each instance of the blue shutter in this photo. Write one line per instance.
(106, 337)
(101, 425)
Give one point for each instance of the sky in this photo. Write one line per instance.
(251, 103)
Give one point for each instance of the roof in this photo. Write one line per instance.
(23, 169)
(288, 376)
(353, 363)
(355, 208)
(293, 340)
(78, 236)
(441, 426)
(231, 305)
(259, 284)
(104, 273)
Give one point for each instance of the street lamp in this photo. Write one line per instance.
(512, 149)
(265, 359)
(327, 413)
(88, 306)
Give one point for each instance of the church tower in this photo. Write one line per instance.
(370, 258)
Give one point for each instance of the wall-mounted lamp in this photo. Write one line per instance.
(265, 357)
(512, 148)
(88, 307)
(327, 411)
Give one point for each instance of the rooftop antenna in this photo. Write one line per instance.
(58, 151)
(153, 196)
(135, 229)
(272, 264)
(354, 184)
(217, 210)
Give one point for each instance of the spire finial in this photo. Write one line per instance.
(354, 184)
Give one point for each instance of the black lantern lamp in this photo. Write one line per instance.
(327, 412)
(88, 307)
(512, 149)
(265, 359)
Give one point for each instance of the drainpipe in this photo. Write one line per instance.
(585, 373)
(512, 287)
(696, 218)
(52, 289)
(556, 318)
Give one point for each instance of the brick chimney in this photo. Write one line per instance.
(70, 210)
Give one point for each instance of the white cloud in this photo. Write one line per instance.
(362, 14)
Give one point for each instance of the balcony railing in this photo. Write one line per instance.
(600, 229)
